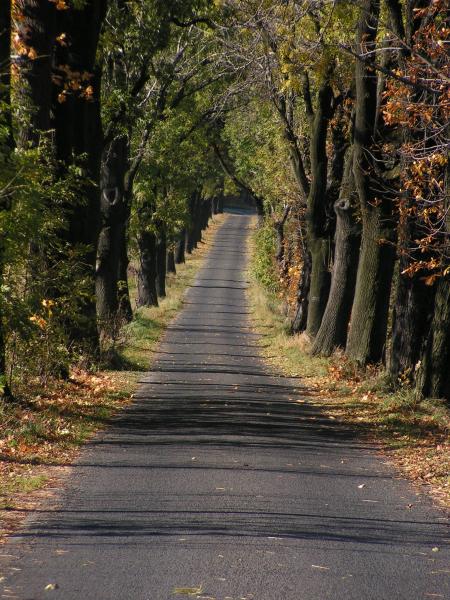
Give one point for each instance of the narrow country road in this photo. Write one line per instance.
(220, 481)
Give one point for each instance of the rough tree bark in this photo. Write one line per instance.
(320, 229)
(147, 273)
(180, 248)
(161, 261)
(368, 324)
(191, 229)
(410, 323)
(79, 139)
(333, 329)
(433, 380)
(113, 215)
(301, 314)
(171, 268)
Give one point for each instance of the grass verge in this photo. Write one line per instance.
(42, 434)
(413, 434)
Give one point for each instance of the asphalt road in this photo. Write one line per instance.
(220, 478)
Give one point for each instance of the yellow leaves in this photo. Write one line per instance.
(51, 587)
(39, 321)
(188, 591)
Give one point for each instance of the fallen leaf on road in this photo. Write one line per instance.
(188, 591)
(363, 485)
(51, 586)
(435, 549)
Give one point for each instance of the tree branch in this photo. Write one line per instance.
(238, 182)
(194, 21)
(413, 84)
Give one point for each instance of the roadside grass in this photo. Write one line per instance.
(412, 433)
(44, 430)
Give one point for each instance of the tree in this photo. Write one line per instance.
(6, 146)
(368, 325)
(333, 329)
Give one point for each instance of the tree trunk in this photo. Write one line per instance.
(411, 322)
(180, 248)
(191, 230)
(147, 294)
(171, 268)
(125, 310)
(318, 231)
(79, 140)
(112, 218)
(333, 330)
(161, 263)
(6, 147)
(433, 379)
(301, 315)
(320, 280)
(368, 324)
(7, 142)
(434, 374)
(412, 313)
(36, 29)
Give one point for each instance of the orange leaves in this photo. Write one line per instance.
(60, 4)
(73, 83)
(431, 279)
(39, 321)
(424, 154)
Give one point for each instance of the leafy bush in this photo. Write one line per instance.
(263, 263)
(43, 287)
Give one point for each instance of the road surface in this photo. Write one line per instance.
(220, 482)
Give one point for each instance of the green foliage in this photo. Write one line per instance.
(263, 264)
(44, 287)
(260, 155)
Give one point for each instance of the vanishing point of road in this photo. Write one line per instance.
(220, 482)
